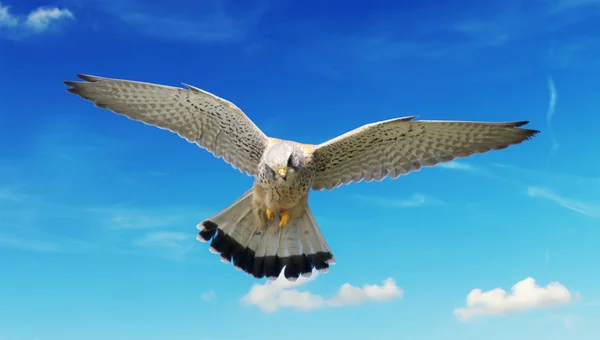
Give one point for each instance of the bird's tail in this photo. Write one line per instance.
(264, 249)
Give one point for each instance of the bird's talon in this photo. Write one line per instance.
(285, 217)
(270, 214)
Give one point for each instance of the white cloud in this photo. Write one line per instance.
(209, 296)
(592, 210)
(6, 18)
(38, 20)
(280, 294)
(41, 18)
(525, 295)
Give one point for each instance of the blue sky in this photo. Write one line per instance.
(98, 213)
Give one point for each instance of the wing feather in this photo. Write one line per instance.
(399, 146)
(200, 117)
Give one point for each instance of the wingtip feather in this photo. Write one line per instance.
(192, 88)
(88, 77)
(520, 123)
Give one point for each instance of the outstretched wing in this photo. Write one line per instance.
(200, 117)
(399, 146)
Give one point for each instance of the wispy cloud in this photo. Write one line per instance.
(281, 293)
(457, 165)
(461, 39)
(39, 242)
(163, 239)
(22, 243)
(521, 176)
(568, 320)
(215, 22)
(84, 207)
(589, 209)
(461, 165)
(558, 6)
(214, 29)
(209, 296)
(10, 195)
(512, 24)
(525, 295)
(550, 114)
(27, 222)
(39, 20)
(126, 217)
(415, 200)
(172, 244)
(6, 18)
(530, 174)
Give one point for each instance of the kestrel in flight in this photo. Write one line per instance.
(271, 227)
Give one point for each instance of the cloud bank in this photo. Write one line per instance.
(525, 295)
(281, 293)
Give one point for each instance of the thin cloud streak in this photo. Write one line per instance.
(591, 209)
(456, 165)
(216, 22)
(22, 243)
(550, 114)
(414, 201)
(585, 208)
(463, 166)
(172, 244)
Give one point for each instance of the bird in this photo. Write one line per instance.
(271, 229)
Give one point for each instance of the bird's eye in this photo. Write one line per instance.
(290, 162)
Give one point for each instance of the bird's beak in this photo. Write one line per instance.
(282, 172)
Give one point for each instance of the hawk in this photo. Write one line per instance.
(271, 228)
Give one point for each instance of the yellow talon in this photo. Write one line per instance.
(270, 214)
(285, 217)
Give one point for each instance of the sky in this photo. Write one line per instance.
(98, 213)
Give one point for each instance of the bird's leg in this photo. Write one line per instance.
(270, 214)
(285, 217)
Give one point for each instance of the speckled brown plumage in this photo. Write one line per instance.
(286, 171)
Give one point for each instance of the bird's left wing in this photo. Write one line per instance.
(399, 146)
(213, 123)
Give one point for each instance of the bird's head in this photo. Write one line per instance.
(282, 161)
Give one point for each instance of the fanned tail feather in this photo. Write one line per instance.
(259, 250)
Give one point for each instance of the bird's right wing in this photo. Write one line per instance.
(200, 117)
